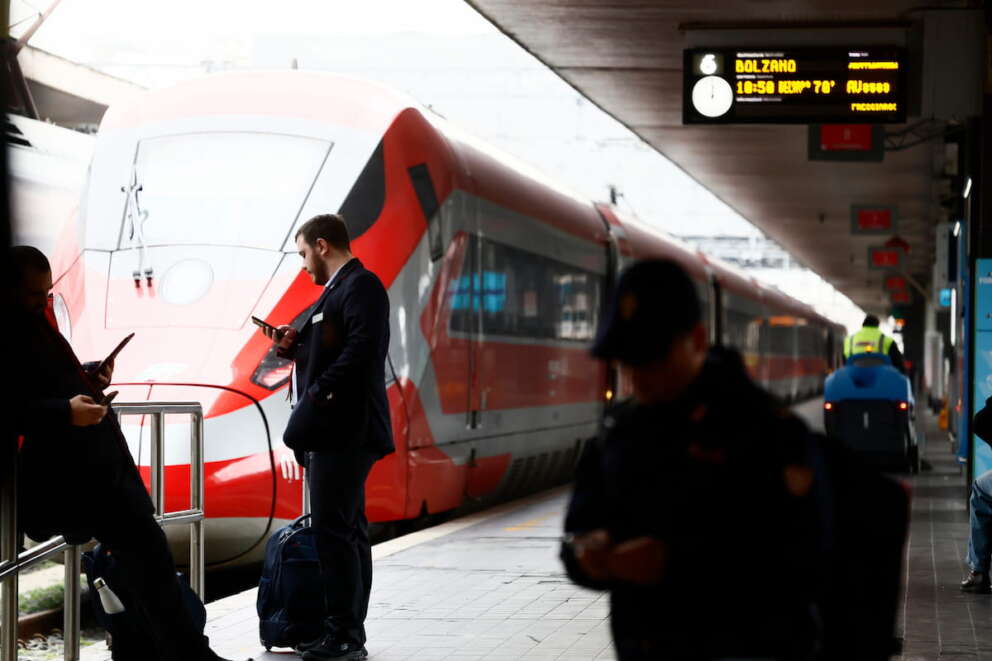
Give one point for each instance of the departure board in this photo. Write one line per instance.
(836, 85)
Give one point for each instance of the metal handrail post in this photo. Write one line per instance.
(196, 487)
(157, 452)
(11, 562)
(8, 550)
(72, 605)
(193, 517)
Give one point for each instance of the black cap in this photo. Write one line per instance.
(654, 302)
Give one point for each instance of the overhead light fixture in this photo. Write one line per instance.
(954, 317)
(957, 228)
(967, 188)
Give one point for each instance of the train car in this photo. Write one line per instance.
(496, 277)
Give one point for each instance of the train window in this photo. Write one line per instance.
(233, 188)
(420, 176)
(463, 291)
(522, 294)
(364, 202)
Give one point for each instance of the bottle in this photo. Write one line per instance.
(111, 604)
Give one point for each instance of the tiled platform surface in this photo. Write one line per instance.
(489, 586)
(939, 621)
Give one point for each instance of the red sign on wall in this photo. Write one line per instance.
(883, 258)
(873, 220)
(895, 282)
(846, 137)
(900, 297)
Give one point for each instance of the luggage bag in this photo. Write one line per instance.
(290, 601)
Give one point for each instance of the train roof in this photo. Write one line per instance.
(337, 99)
(312, 95)
(654, 242)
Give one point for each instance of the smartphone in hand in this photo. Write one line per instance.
(113, 354)
(108, 398)
(263, 325)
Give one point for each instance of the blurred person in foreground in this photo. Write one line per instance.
(78, 478)
(699, 506)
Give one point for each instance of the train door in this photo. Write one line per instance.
(477, 295)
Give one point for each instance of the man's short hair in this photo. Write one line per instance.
(327, 226)
(24, 259)
(870, 320)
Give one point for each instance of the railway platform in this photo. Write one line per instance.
(489, 586)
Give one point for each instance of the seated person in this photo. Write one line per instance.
(78, 478)
(980, 538)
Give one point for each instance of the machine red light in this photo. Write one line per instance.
(903, 406)
(827, 406)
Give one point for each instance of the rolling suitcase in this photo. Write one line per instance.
(290, 599)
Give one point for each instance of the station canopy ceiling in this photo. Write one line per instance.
(626, 57)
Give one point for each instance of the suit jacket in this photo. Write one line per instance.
(340, 355)
(73, 480)
(982, 425)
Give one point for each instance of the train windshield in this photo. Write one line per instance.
(228, 189)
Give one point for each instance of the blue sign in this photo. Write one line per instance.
(945, 298)
(982, 381)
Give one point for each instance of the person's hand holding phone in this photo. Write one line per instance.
(104, 375)
(274, 333)
(85, 412)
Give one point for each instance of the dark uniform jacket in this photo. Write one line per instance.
(781, 543)
(72, 480)
(340, 354)
(982, 425)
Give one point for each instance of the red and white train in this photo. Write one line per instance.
(495, 276)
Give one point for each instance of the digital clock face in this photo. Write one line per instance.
(712, 96)
(775, 85)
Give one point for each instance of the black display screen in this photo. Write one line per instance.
(835, 85)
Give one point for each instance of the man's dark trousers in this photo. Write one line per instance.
(146, 562)
(337, 500)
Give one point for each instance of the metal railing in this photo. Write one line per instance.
(11, 563)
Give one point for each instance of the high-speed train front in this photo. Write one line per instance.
(185, 231)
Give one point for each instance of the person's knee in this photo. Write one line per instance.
(981, 488)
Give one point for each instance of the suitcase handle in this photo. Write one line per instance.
(299, 520)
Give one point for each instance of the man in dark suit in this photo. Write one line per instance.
(340, 422)
(78, 478)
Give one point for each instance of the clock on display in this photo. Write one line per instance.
(712, 96)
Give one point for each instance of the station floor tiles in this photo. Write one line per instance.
(937, 620)
(489, 586)
(486, 586)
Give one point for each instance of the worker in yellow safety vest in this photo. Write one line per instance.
(871, 339)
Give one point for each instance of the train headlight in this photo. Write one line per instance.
(61, 312)
(272, 372)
